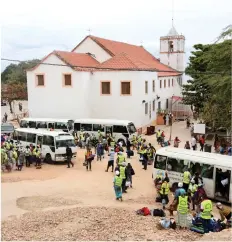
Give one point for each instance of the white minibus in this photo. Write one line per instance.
(213, 168)
(65, 125)
(119, 129)
(53, 143)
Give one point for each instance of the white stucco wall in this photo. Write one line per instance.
(92, 47)
(116, 106)
(54, 100)
(167, 92)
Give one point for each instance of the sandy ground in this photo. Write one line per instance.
(56, 203)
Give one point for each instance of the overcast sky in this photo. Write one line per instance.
(32, 29)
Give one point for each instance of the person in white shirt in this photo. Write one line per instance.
(194, 143)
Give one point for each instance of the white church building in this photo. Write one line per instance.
(102, 78)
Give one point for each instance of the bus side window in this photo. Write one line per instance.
(23, 136)
(207, 171)
(32, 124)
(48, 140)
(97, 127)
(51, 125)
(86, 127)
(160, 162)
(41, 125)
(19, 136)
(195, 167)
(177, 165)
(77, 126)
(120, 129)
(15, 135)
(31, 138)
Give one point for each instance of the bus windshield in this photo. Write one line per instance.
(64, 143)
(131, 128)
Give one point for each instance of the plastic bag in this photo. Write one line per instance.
(128, 183)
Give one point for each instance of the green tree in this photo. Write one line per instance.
(14, 91)
(210, 90)
(17, 72)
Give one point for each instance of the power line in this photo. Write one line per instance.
(104, 68)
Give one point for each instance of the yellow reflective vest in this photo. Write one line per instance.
(193, 188)
(165, 187)
(121, 159)
(182, 204)
(207, 209)
(15, 155)
(118, 181)
(186, 178)
(122, 172)
(159, 133)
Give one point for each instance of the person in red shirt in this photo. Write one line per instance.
(202, 142)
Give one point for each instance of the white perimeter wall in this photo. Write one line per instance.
(90, 46)
(53, 100)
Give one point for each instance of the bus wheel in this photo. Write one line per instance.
(48, 158)
(123, 142)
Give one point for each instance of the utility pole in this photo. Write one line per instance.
(170, 137)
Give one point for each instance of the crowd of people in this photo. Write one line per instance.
(101, 147)
(14, 156)
(191, 191)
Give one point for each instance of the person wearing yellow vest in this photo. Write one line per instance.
(186, 180)
(164, 191)
(134, 141)
(182, 210)
(158, 135)
(38, 158)
(14, 157)
(122, 170)
(192, 190)
(33, 154)
(7, 145)
(118, 185)
(121, 158)
(206, 209)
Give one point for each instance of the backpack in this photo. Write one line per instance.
(143, 211)
(158, 212)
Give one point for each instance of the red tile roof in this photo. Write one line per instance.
(124, 57)
(77, 59)
(124, 62)
(137, 54)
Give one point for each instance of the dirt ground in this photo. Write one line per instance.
(56, 203)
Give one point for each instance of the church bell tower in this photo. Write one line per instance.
(172, 50)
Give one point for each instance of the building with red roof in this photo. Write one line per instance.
(103, 78)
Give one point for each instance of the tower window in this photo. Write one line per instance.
(170, 46)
